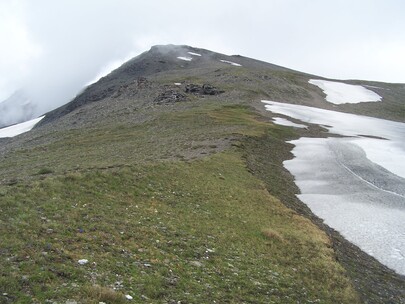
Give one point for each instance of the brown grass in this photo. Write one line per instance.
(99, 293)
(272, 235)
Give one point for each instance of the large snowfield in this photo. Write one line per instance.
(338, 92)
(356, 183)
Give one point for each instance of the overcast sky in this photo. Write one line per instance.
(53, 48)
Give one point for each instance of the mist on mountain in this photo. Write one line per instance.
(52, 50)
(17, 108)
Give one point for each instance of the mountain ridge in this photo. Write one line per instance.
(168, 178)
(162, 59)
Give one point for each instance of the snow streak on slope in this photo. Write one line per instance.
(185, 58)
(194, 54)
(285, 122)
(350, 182)
(19, 128)
(231, 63)
(338, 93)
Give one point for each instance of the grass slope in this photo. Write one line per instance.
(172, 231)
(164, 210)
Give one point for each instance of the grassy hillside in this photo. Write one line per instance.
(195, 225)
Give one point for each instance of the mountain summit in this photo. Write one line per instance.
(157, 62)
(163, 182)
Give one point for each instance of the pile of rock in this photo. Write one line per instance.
(169, 96)
(205, 89)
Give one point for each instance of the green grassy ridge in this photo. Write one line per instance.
(169, 134)
(169, 216)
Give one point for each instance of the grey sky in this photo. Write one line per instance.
(53, 48)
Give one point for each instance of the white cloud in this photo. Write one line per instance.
(110, 66)
(18, 50)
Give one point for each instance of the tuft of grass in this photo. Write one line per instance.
(271, 234)
(240, 116)
(43, 171)
(97, 294)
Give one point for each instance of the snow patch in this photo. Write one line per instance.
(285, 122)
(356, 184)
(388, 153)
(19, 128)
(194, 54)
(185, 58)
(340, 93)
(231, 63)
(340, 185)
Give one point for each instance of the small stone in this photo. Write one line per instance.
(118, 285)
(83, 261)
(25, 278)
(196, 263)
